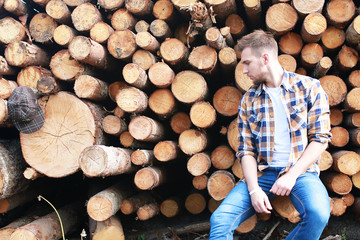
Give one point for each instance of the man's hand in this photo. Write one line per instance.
(260, 202)
(283, 185)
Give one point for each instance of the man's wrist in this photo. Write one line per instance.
(255, 190)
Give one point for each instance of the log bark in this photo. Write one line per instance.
(14, 29)
(337, 182)
(347, 162)
(29, 76)
(111, 5)
(84, 16)
(311, 54)
(165, 151)
(144, 59)
(195, 203)
(106, 203)
(148, 211)
(322, 67)
(113, 125)
(161, 75)
(355, 136)
(333, 38)
(173, 51)
(91, 88)
(170, 207)
(148, 178)
(291, 43)
(353, 32)
(6, 88)
(214, 38)
(64, 133)
(49, 85)
(202, 114)
(313, 27)
(132, 204)
(203, 59)
(122, 44)
(339, 13)
(64, 34)
(59, 11)
(288, 62)
(227, 59)
(147, 41)
(340, 136)
(131, 99)
(100, 32)
(346, 59)
(254, 13)
(351, 100)
(199, 164)
(109, 229)
(222, 157)
(284, 207)
(139, 8)
(200, 182)
(122, 19)
(220, 184)
(326, 161)
(180, 122)
(146, 129)
(181, 6)
(142, 157)
(280, 18)
(16, 7)
(103, 161)
(304, 7)
(192, 141)
(225, 32)
(222, 8)
(335, 88)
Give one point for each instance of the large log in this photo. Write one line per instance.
(122, 44)
(91, 88)
(59, 11)
(220, 184)
(84, 16)
(195, 203)
(110, 229)
(173, 51)
(291, 43)
(340, 136)
(202, 114)
(144, 59)
(165, 151)
(347, 162)
(280, 18)
(335, 88)
(100, 32)
(199, 164)
(203, 59)
(333, 38)
(180, 122)
(192, 141)
(337, 182)
(14, 29)
(122, 19)
(222, 157)
(6, 88)
(305, 7)
(132, 100)
(29, 76)
(162, 102)
(42, 28)
(340, 12)
(148, 178)
(313, 27)
(64, 34)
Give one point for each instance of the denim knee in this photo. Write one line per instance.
(319, 216)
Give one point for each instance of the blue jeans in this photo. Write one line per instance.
(309, 196)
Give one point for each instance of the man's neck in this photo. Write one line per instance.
(276, 73)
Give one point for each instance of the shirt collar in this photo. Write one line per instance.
(286, 83)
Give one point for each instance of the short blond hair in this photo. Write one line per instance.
(258, 41)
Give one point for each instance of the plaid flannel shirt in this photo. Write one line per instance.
(307, 108)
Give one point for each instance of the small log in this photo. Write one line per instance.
(346, 162)
(165, 151)
(32, 174)
(84, 16)
(192, 141)
(227, 59)
(161, 75)
(280, 18)
(103, 161)
(164, 10)
(199, 164)
(242, 81)
(222, 157)
(173, 51)
(254, 13)
(122, 44)
(203, 59)
(236, 24)
(93, 53)
(225, 32)
(322, 67)
(22, 54)
(59, 11)
(147, 41)
(111, 5)
(222, 8)
(326, 161)
(301, 71)
(213, 205)
(288, 62)
(74, 3)
(16, 7)
(5, 68)
(42, 28)
(336, 116)
(333, 38)
(14, 29)
(141, 26)
(91, 88)
(356, 180)
(49, 85)
(353, 32)
(248, 225)
(144, 59)
(64, 34)
(131, 99)
(335, 88)
(311, 54)
(141, 8)
(346, 59)
(352, 120)
(148, 178)
(162, 102)
(195, 203)
(129, 141)
(122, 19)
(304, 8)
(236, 169)
(349, 199)
(48, 227)
(146, 129)
(353, 79)
(232, 135)
(106, 203)
(148, 211)
(291, 43)
(284, 207)
(337, 182)
(220, 184)
(339, 13)
(214, 38)
(6, 88)
(340, 136)
(114, 89)
(142, 157)
(113, 125)
(189, 87)
(355, 136)
(338, 206)
(202, 114)
(100, 32)
(132, 204)
(313, 27)
(109, 229)
(352, 100)
(29, 76)
(180, 122)
(170, 207)
(200, 182)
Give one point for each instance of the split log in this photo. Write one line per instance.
(227, 59)
(170, 207)
(214, 38)
(148, 178)
(280, 18)
(220, 183)
(132, 204)
(322, 67)
(106, 203)
(84, 16)
(142, 157)
(164, 10)
(199, 164)
(144, 59)
(284, 207)
(16, 7)
(222, 157)
(131, 99)
(141, 26)
(93, 53)
(189, 87)
(42, 28)
(347, 162)
(91, 88)
(242, 81)
(160, 29)
(32, 174)
(353, 32)
(333, 38)
(109, 229)
(48, 227)
(355, 137)
(161, 75)
(111, 5)
(100, 32)
(173, 51)
(12, 166)
(113, 125)
(337, 206)
(103, 161)
(336, 116)
(313, 27)
(202, 114)
(147, 41)
(291, 43)
(326, 161)
(64, 34)
(192, 141)
(6, 88)
(353, 79)
(254, 13)
(14, 29)
(203, 59)
(59, 11)
(311, 54)
(236, 24)
(114, 89)
(232, 135)
(148, 211)
(165, 151)
(248, 225)
(351, 100)
(335, 88)
(139, 8)
(195, 203)
(122, 44)
(22, 54)
(180, 122)
(340, 136)
(339, 13)
(29, 76)
(200, 182)
(122, 19)
(346, 59)
(337, 182)
(49, 85)
(64, 133)
(288, 62)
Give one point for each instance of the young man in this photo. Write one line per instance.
(284, 127)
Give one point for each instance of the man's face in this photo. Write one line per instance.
(253, 66)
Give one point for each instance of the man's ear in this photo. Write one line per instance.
(266, 58)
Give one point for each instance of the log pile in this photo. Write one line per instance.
(149, 91)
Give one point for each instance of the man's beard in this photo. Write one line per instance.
(258, 81)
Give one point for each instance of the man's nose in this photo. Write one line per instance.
(245, 70)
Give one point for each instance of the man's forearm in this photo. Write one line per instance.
(249, 168)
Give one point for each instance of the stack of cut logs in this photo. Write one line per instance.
(148, 91)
